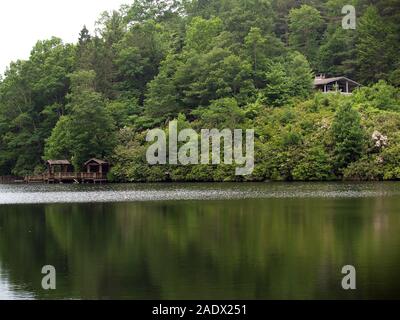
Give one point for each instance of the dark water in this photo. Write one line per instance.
(202, 241)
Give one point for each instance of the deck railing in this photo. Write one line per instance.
(60, 176)
(10, 179)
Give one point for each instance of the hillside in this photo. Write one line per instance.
(213, 64)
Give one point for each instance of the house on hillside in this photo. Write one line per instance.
(337, 84)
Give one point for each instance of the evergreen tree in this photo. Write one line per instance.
(84, 36)
(377, 46)
(299, 75)
(348, 136)
(336, 54)
(85, 50)
(305, 29)
(277, 91)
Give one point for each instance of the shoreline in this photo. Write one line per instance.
(22, 182)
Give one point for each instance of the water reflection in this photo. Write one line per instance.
(8, 291)
(262, 248)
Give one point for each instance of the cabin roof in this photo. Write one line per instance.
(322, 81)
(98, 161)
(58, 162)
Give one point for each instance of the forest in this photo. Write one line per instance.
(212, 64)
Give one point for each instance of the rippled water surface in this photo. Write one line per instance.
(200, 241)
(42, 193)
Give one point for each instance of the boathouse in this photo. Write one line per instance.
(57, 166)
(337, 84)
(61, 171)
(97, 166)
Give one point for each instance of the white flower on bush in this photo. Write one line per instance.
(379, 139)
(325, 124)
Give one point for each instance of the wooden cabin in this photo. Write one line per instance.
(58, 166)
(337, 84)
(97, 166)
(61, 171)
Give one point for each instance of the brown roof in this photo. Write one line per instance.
(95, 160)
(323, 81)
(58, 162)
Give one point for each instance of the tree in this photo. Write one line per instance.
(222, 113)
(191, 80)
(348, 136)
(380, 95)
(337, 51)
(277, 91)
(110, 29)
(282, 9)
(201, 34)
(255, 45)
(88, 130)
(84, 52)
(244, 15)
(375, 54)
(315, 165)
(214, 75)
(84, 36)
(27, 94)
(300, 75)
(305, 28)
(260, 49)
(142, 10)
(138, 58)
(163, 99)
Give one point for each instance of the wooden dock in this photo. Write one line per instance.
(68, 177)
(11, 179)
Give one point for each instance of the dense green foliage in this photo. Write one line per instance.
(212, 63)
(88, 128)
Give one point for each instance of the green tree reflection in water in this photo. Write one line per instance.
(227, 249)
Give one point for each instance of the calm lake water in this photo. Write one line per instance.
(200, 241)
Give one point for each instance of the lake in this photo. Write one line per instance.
(200, 241)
